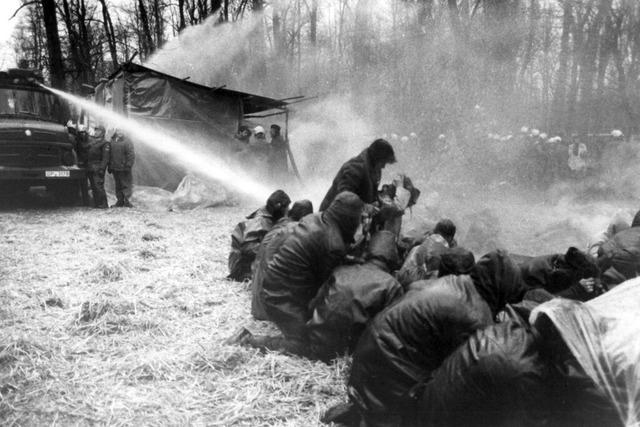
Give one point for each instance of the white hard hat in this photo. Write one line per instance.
(404, 139)
(394, 136)
(524, 129)
(258, 129)
(442, 136)
(616, 133)
(413, 135)
(543, 135)
(535, 132)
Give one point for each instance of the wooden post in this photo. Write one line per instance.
(286, 139)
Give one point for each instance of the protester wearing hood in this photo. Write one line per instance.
(121, 162)
(268, 247)
(98, 153)
(247, 235)
(361, 174)
(423, 261)
(571, 275)
(618, 224)
(303, 261)
(408, 340)
(351, 297)
(619, 258)
(496, 378)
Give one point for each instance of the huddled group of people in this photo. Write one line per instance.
(267, 156)
(437, 336)
(100, 153)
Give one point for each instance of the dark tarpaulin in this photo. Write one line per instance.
(203, 118)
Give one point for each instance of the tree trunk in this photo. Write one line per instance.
(181, 25)
(147, 40)
(109, 34)
(559, 98)
(313, 22)
(56, 66)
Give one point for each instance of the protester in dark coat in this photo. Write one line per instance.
(98, 152)
(304, 261)
(351, 297)
(619, 258)
(423, 261)
(120, 165)
(636, 220)
(496, 378)
(247, 235)
(270, 243)
(407, 341)
(361, 175)
(571, 275)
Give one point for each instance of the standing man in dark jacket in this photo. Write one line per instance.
(122, 158)
(361, 175)
(407, 341)
(277, 154)
(98, 155)
(303, 262)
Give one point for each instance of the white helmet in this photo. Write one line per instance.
(258, 129)
(404, 139)
(543, 135)
(616, 133)
(535, 132)
(413, 135)
(524, 129)
(442, 137)
(394, 137)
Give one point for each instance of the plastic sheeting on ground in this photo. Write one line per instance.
(602, 335)
(194, 193)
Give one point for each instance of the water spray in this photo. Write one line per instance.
(198, 161)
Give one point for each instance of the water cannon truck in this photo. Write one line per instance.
(36, 147)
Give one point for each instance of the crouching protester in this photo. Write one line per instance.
(408, 340)
(268, 246)
(619, 258)
(570, 366)
(423, 260)
(573, 275)
(247, 235)
(351, 297)
(300, 265)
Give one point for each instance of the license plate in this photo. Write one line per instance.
(57, 174)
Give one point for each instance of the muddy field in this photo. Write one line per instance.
(117, 317)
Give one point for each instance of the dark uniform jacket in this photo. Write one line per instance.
(407, 341)
(346, 303)
(297, 269)
(98, 154)
(356, 175)
(122, 154)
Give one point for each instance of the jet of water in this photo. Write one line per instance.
(202, 162)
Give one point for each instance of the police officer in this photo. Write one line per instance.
(120, 165)
(98, 155)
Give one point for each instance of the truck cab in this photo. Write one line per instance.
(36, 148)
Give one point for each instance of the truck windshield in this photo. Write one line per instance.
(30, 104)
